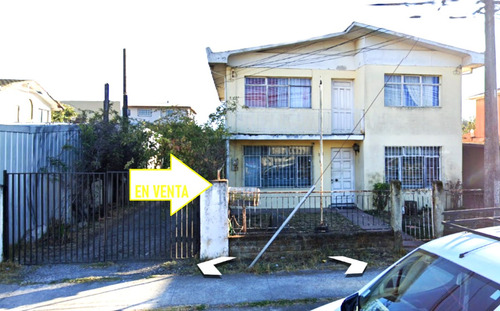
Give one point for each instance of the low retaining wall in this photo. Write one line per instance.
(248, 246)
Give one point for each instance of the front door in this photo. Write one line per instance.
(342, 176)
(342, 107)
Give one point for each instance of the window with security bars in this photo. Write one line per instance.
(278, 167)
(415, 167)
(411, 91)
(278, 92)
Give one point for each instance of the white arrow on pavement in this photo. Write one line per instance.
(179, 184)
(356, 267)
(208, 267)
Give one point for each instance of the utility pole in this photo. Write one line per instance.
(125, 96)
(491, 144)
(323, 227)
(105, 115)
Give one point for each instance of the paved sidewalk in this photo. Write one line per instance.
(127, 288)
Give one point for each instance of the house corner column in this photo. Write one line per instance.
(214, 226)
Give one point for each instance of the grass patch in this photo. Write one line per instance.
(182, 266)
(98, 265)
(256, 304)
(10, 272)
(312, 260)
(89, 279)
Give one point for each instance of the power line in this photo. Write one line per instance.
(301, 55)
(366, 111)
(330, 56)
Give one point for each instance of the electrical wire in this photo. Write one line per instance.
(339, 55)
(304, 55)
(300, 46)
(365, 112)
(329, 56)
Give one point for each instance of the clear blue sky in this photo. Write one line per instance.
(73, 48)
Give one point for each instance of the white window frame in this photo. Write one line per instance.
(144, 112)
(286, 166)
(288, 85)
(415, 167)
(405, 97)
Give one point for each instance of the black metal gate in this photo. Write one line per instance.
(87, 217)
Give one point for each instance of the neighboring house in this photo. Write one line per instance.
(154, 112)
(391, 106)
(477, 135)
(473, 147)
(25, 101)
(91, 107)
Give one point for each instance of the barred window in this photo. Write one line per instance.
(411, 91)
(415, 167)
(278, 92)
(278, 167)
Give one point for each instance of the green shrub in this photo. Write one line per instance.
(381, 193)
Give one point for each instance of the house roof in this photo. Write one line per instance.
(481, 95)
(32, 87)
(158, 106)
(355, 30)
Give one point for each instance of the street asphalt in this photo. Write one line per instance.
(137, 286)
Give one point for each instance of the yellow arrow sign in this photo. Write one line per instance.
(179, 184)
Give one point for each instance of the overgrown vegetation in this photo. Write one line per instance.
(113, 146)
(67, 115)
(381, 193)
(120, 144)
(468, 125)
(10, 272)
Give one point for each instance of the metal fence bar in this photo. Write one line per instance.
(87, 217)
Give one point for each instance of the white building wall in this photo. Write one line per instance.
(22, 107)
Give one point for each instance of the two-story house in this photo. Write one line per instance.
(473, 146)
(390, 105)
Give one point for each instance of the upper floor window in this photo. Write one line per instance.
(278, 92)
(144, 113)
(411, 91)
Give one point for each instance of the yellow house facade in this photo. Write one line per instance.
(380, 104)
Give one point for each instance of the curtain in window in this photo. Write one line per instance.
(300, 97)
(392, 90)
(430, 91)
(278, 92)
(412, 91)
(300, 93)
(278, 97)
(392, 95)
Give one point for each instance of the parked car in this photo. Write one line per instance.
(456, 272)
